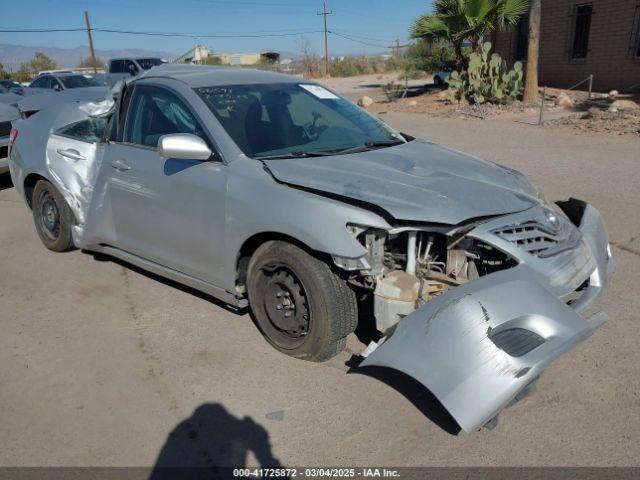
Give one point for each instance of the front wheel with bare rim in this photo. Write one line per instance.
(52, 216)
(302, 308)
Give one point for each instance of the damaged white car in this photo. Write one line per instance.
(276, 193)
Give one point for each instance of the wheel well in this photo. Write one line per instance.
(29, 185)
(253, 243)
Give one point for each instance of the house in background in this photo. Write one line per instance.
(580, 38)
(202, 55)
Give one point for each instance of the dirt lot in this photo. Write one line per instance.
(101, 364)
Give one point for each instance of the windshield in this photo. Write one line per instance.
(78, 81)
(147, 63)
(293, 119)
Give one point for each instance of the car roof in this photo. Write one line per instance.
(69, 74)
(206, 76)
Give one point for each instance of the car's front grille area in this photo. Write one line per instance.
(517, 341)
(534, 237)
(5, 129)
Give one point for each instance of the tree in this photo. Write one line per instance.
(88, 63)
(457, 21)
(531, 79)
(3, 73)
(41, 62)
(310, 60)
(29, 69)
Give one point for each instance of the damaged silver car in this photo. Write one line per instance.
(273, 192)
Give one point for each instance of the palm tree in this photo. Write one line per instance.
(531, 80)
(455, 21)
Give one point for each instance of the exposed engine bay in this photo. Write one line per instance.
(410, 267)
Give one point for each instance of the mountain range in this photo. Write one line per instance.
(11, 56)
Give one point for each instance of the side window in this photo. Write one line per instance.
(154, 112)
(130, 67)
(117, 66)
(41, 82)
(90, 130)
(55, 83)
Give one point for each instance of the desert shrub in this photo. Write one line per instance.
(393, 91)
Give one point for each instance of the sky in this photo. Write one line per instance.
(370, 25)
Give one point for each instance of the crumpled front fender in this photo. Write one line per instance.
(455, 345)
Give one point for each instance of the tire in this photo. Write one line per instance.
(437, 81)
(53, 217)
(284, 279)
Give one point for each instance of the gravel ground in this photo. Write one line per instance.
(101, 364)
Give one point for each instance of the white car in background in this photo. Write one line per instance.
(444, 72)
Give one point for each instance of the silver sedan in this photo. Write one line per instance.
(276, 193)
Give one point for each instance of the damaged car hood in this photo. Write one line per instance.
(417, 181)
(54, 99)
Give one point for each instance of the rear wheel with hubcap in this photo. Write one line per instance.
(52, 216)
(302, 308)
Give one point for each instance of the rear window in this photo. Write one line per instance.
(147, 63)
(79, 81)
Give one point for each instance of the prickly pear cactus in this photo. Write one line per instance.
(486, 79)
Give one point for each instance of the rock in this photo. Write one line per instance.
(365, 101)
(613, 94)
(623, 106)
(564, 100)
(594, 112)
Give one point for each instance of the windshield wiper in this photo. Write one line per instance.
(370, 146)
(301, 154)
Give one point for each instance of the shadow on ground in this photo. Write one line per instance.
(210, 444)
(412, 390)
(5, 181)
(100, 257)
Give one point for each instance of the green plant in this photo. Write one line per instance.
(455, 21)
(486, 79)
(393, 91)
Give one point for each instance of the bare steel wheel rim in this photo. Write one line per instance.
(286, 306)
(49, 216)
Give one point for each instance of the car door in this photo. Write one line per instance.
(74, 154)
(169, 211)
(41, 84)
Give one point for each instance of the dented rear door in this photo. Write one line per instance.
(476, 347)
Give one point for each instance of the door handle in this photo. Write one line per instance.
(120, 165)
(71, 153)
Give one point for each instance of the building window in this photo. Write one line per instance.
(636, 46)
(581, 27)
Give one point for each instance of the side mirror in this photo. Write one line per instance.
(57, 87)
(183, 146)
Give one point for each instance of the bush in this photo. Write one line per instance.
(344, 68)
(486, 80)
(393, 91)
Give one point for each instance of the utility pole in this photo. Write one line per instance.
(93, 53)
(326, 37)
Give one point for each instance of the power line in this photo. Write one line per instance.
(162, 34)
(347, 37)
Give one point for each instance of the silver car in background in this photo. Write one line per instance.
(274, 192)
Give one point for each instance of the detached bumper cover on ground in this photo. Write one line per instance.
(480, 344)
